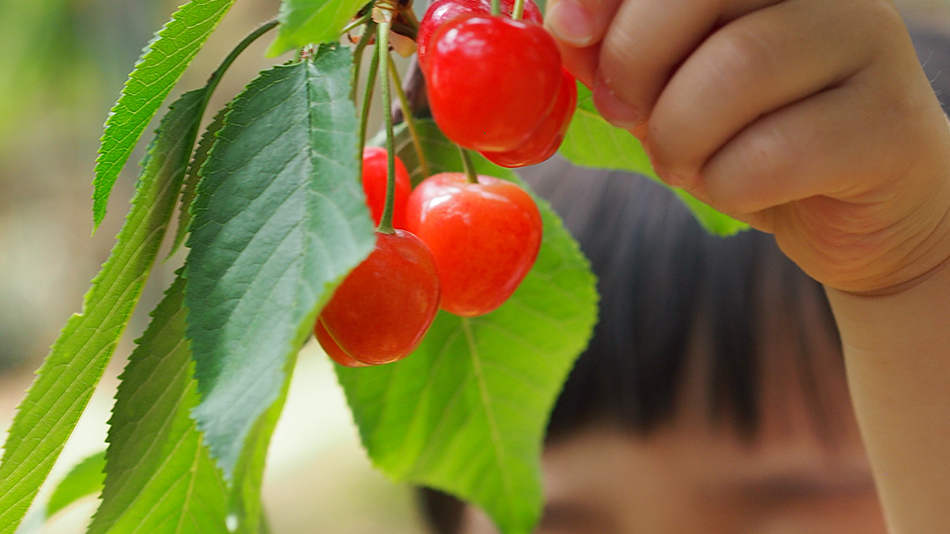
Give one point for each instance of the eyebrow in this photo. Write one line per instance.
(570, 514)
(803, 484)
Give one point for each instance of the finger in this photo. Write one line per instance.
(843, 144)
(579, 23)
(854, 187)
(580, 62)
(645, 43)
(749, 68)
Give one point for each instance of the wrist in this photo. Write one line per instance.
(899, 318)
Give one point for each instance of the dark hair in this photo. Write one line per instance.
(665, 283)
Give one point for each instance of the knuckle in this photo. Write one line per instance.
(754, 172)
(744, 54)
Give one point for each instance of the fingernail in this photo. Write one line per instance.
(676, 179)
(671, 179)
(640, 131)
(569, 22)
(617, 112)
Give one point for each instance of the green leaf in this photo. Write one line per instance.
(303, 22)
(245, 497)
(77, 359)
(467, 411)
(162, 63)
(83, 480)
(193, 177)
(593, 142)
(159, 476)
(279, 220)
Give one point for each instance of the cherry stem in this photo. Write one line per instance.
(518, 11)
(495, 8)
(382, 47)
(470, 175)
(410, 120)
(367, 103)
(358, 56)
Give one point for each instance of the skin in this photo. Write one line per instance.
(814, 121)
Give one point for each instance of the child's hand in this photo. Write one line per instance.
(810, 119)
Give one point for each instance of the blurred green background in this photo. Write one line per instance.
(62, 66)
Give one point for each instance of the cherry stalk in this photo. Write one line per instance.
(382, 47)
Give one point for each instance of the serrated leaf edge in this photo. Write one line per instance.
(106, 173)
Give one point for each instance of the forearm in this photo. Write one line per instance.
(897, 352)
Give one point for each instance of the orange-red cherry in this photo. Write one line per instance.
(333, 350)
(375, 170)
(385, 306)
(485, 238)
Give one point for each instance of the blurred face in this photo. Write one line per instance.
(695, 477)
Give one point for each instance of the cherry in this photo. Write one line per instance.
(442, 11)
(333, 350)
(384, 307)
(375, 169)
(545, 141)
(491, 80)
(484, 236)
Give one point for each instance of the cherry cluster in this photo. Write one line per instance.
(458, 244)
(495, 85)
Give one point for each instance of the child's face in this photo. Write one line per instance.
(692, 477)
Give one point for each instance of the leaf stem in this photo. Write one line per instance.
(410, 120)
(518, 11)
(382, 47)
(470, 175)
(218, 73)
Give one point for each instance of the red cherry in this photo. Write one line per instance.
(375, 169)
(484, 237)
(442, 11)
(491, 80)
(332, 349)
(384, 307)
(545, 141)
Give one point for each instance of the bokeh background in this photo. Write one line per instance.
(62, 65)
